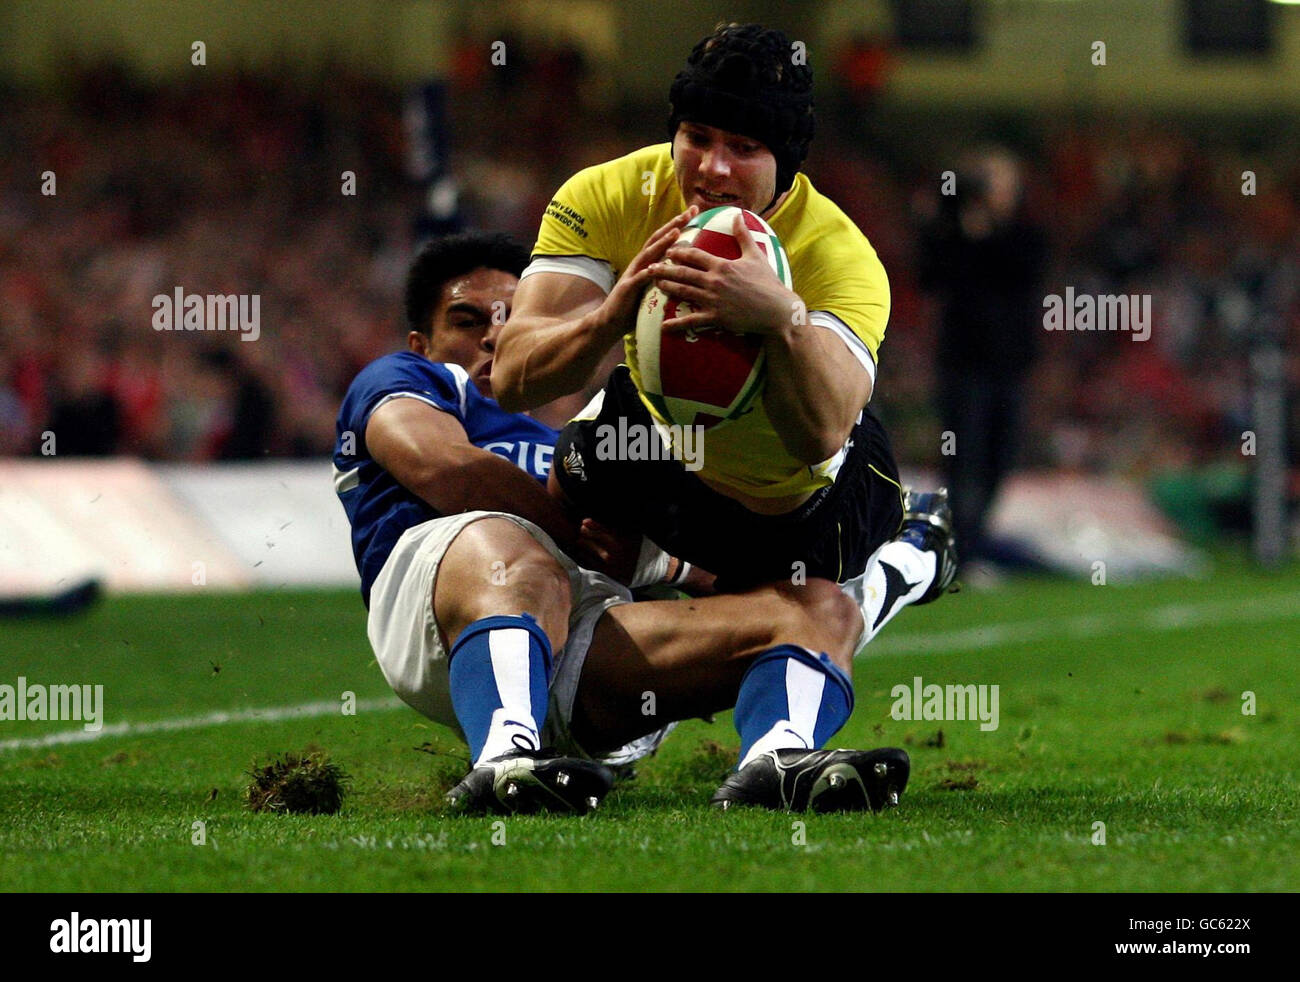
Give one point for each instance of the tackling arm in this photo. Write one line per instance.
(427, 452)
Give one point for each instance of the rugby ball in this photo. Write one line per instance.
(703, 376)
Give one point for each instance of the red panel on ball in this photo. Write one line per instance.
(712, 368)
(718, 244)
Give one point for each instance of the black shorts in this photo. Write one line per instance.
(832, 534)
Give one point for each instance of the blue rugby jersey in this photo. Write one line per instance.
(379, 508)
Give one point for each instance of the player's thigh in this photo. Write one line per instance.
(497, 567)
(693, 653)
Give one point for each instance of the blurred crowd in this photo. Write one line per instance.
(233, 185)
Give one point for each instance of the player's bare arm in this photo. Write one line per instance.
(428, 452)
(562, 326)
(744, 295)
(802, 359)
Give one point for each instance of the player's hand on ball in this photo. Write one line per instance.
(618, 312)
(741, 295)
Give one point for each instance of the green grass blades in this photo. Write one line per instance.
(1121, 760)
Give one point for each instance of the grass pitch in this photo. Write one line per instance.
(1117, 705)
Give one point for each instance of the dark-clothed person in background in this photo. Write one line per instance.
(985, 261)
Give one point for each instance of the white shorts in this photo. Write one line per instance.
(414, 660)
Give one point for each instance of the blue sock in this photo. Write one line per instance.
(791, 698)
(500, 667)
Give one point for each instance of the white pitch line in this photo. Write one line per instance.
(271, 714)
(1172, 617)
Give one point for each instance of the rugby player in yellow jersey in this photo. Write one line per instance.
(805, 484)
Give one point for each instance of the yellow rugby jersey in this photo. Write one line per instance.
(605, 213)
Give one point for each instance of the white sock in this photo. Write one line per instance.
(803, 692)
(899, 573)
(512, 726)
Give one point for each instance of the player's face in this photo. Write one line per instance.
(466, 321)
(715, 168)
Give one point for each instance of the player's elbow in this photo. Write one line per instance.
(516, 384)
(825, 449)
(508, 377)
(813, 431)
(506, 388)
(830, 432)
(814, 445)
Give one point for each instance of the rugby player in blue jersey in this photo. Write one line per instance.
(480, 618)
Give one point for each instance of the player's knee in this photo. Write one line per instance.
(538, 584)
(837, 610)
(496, 567)
(829, 618)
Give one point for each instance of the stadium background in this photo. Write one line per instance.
(178, 450)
